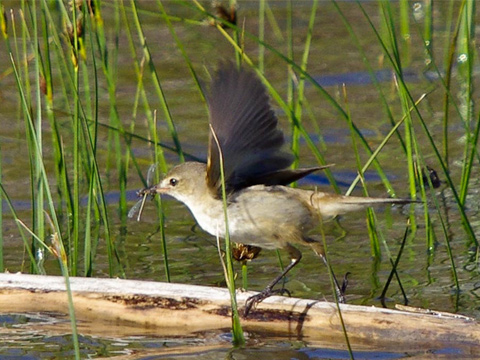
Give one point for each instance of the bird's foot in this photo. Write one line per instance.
(341, 298)
(341, 291)
(265, 293)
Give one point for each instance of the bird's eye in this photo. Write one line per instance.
(173, 181)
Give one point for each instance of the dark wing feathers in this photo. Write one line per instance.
(246, 128)
(287, 176)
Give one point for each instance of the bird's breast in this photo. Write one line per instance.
(263, 216)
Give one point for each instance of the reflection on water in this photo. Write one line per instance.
(365, 78)
(42, 336)
(426, 276)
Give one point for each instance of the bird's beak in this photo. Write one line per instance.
(158, 189)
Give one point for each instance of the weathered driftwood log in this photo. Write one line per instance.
(182, 310)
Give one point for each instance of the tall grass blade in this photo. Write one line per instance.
(370, 69)
(77, 171)
(26, 243)
(157, 82)
(58, 250)
(394, 270)
(58, 242)
(393, 59)
(291, 86)
(237, 332)
(371, 220)
(161, 213)
(465, 58)
(261, 34)
(405, 30)
(1, 208)
(334, 288)
(37, 132)
(428, 31)
(180, 46)
(380, 147)
(300, 99)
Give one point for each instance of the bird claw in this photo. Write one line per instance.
(253, 301)
(341, 299)
(258, 298)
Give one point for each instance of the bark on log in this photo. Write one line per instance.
(182, 310)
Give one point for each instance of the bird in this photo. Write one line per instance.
(262, 210)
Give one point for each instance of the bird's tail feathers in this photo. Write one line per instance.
(331, 206)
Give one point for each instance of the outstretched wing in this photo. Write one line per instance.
(246, 129)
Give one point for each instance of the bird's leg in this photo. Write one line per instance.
(320, 251)
(296, 256)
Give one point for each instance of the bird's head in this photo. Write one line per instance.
(185, 182)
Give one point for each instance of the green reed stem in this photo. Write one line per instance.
(276, 31)
(291, 86)
(428, 31)
(244, 275)
(109, 68)
(394, 270)
(466, 55)
(157, 83)
(34, 129)
(409, 140)
(161, 212)
(297, 106)
(1, 208)
(88, 138)
(236, 35)
(77, 171)
(25, 40)
(449, 64)
(380, 147)
(405, 29)
(108, 63)
(334, 288)
(87, 251)
(57, 239)
(90, 246)
(375, 82)
(464, 111)
(63, 261)
(180, 47)
(237, 332)
(58, 250)
(430, 235)
(159, 157)
(392, 44)
(130, 135)
(261, 35)
(60, 253)
(371, 220)
(26, 244)
(465, 221)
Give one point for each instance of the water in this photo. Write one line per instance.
(193, 258)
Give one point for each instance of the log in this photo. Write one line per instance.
(168, 309)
